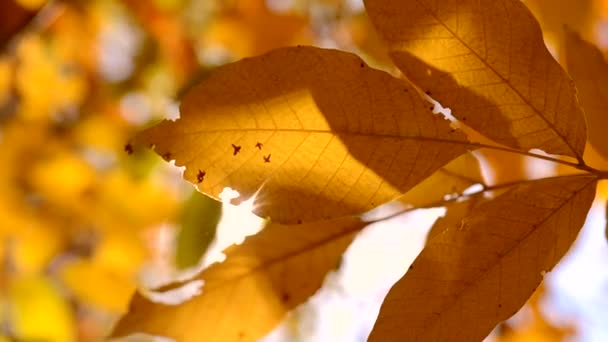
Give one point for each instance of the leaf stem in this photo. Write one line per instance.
(579, 166)
(485, 189)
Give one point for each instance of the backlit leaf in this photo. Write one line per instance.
(451, 179)
(587, 66)
(479, 272)
(486, 60)
(244, 297)
(317, 133)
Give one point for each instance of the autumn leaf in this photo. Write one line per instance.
(244, 297)
(248, 28)
(482, 270)
(455, 212)
(488, 63)
(38, 311)
(587, 66)
(451, 179)
(315, 133)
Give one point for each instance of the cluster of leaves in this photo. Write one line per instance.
(319, 137)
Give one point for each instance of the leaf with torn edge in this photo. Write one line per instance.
(244, 297)
(315, 133)
(587, 66)
(479, 272)
(486, 60)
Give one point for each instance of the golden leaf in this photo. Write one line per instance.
(38, 311)
(244, 297)
(488, 63)
(317, 133)
(480, 272)
(587, 66)
(453, 178)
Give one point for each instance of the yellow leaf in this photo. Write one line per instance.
(34, 245)
(38, 311)
(244, 297)
(454, 214)
(120, 251)
(453, 178)
(97, 285)
(482, 270)
(43, 83)
(316, 133)
(148, 202)
(250, 28)
(487, 62)
(587, 66)
(63, 179)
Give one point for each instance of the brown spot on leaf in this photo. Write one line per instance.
(362, 64)
(167, 156)
(200, 177)
(267, 158)
(236, 148)
(428, 93)
(285, 297)
(129, 148)
(259, 145)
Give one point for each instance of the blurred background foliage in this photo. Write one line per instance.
(84, 219)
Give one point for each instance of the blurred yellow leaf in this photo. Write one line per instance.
(45, 84)
(97, 285)
(38, 311)
(250, 28)
(63, 179)
(149, 202)
(121, 251)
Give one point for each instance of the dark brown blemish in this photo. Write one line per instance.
(362, 64)
(200, 177)
(428, 93)
(129, 148)
(299, 221)
(167, 156)
(285, 297)
(267, 158)
(259, 145)
(236, 148)
(431, 107)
